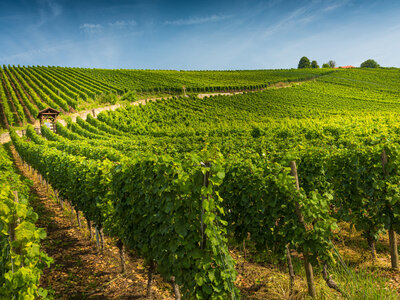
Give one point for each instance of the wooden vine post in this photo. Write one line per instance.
(96, 230)
(176, 288)
(101, 232)
(290, 267)
(89, 225)
(152, 267)
(78, 218)
(121, 248)
(307, 264)
(394, 255)
(59, 200)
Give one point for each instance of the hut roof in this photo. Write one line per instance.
(48, 112)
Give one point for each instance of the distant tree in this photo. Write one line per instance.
(326, 65)
(370, 63)
(304, 63)
(314, 64)
(332, 63)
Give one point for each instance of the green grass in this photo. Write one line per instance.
(362, 284)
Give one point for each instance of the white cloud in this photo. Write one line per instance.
(197, 20)
(91, 28)
(122, 23)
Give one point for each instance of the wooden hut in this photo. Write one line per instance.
(48, 114)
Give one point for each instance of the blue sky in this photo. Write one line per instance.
(200, 35)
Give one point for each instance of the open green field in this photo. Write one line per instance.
(204, 189)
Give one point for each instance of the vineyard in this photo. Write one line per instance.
(27, 90)
(24, 91)
(189, 184)
(198, 81)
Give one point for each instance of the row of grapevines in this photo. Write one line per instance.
(173, 81)
(102, 126)
(91, 92)
(342, 169)
(22, 113)
(21, 259)
(93, 129)
(83, 132)
(76, 148)
(51, 89)
(75, 131)
(274, 202)
(64, 83)
(45, 91)
(22, 96)
(100, 85)
(383, 79)
(364, 181)
(154, 204)
(28, 90)
(8, 116)
(41, 95)
(61, 87)
(98, 88)
(335, 175)
(19, 115)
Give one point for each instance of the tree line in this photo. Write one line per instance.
(305, 63)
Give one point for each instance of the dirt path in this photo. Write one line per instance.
(278, 85)
(96, 111)
(79, 270)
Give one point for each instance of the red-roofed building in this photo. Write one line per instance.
(346, 67)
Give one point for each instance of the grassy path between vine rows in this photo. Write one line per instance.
(260, 276)
(79, 270)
